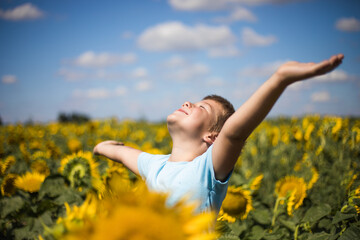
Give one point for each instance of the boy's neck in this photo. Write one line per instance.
(186, 151)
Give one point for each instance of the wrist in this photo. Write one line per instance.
(279, 80)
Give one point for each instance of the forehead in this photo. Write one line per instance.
(215, 107)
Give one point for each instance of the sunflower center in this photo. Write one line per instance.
(234, 204)
(288, 188)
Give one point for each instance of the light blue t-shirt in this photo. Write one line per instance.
(195, 179)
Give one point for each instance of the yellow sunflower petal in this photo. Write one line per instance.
(30, 182)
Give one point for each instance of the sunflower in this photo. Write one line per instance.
(291, 203)
(9, 161)
(355, 195)
(314, 178)
(40, 166)
(40, 155)
(139, 214)
(116, 179)
(8, 185)
(74, 145)
(294, 188)
(75, 216)
(79, 168)
(237, 204)
(255, 184)
(30, 182)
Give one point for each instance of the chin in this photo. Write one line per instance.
(171, 118)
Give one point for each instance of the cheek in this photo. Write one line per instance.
(199, 120)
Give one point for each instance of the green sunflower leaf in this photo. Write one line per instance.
(261, 216)
(353, 232)
(339, 216)
(319, 236)
(257, 233)
(288, 224)
(228, 236)
(325, 223)
(70, 196)
(238, 227)
(53, 186)
(278, 233)
(23, 233)
(315, 213)
(9, 205)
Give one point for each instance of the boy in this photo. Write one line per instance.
(207, 140)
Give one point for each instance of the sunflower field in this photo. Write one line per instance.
(297, 178)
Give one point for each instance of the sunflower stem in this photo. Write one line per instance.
(276, 210)
(296, 232)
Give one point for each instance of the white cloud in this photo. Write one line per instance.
(211, 5)
(174, 61)
(127, 35)
(100, 93)
(170, 36)
(139, 73)
(251, 38)
(227, 51)
(189, 72)
(238, 14)
(215, 82)
(194, 5)
(334, 76)
(323, 96)
(9, 79)
(25, 11)
(348, 24)
(244, 89)
(121, 91)
(90, 59)
(265, 70)
(180, 69)
(143, 86)
(73, 75)
(297, 86)
(94, 93)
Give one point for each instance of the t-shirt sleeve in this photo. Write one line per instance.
(149, 162)
(210, 167)
(216, 189)
(144, 161)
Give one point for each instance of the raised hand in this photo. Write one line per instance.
(295, 71)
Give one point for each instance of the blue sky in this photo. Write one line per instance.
(144, 58)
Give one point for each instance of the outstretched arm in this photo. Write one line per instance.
(242, 123)
(116, 151)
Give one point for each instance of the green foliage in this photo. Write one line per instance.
(278, 148)
(73, 118)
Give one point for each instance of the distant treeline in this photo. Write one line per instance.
(73, 117)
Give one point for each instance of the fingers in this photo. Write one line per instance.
(328, 65)
(336, 59)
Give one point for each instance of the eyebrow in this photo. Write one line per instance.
(211, 108)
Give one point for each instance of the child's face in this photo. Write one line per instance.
(194, 119)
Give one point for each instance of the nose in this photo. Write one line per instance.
(187, 104)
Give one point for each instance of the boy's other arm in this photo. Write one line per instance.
(240, 125)
(116, 151)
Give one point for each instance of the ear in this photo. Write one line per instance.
(210, 138)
